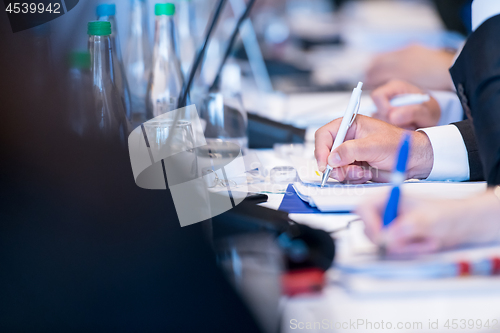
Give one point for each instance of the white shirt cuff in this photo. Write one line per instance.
(451, 161)
(451, 108)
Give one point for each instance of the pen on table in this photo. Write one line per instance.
(401, 100)
(347, 120)
(397, 178)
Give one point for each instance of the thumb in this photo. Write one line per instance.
(405, 116)
(347, 153)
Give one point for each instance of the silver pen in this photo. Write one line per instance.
(350, 114)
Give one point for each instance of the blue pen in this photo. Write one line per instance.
(397, 178)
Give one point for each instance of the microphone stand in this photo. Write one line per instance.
(199, 56)
(230, 45)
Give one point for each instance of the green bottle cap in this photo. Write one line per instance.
(164, 9)
(99, 28)
(79, 59)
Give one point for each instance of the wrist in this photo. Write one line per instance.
(421, 156)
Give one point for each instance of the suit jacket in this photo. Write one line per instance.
(476, 75)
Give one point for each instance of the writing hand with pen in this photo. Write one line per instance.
(424, 225)
(369, 151)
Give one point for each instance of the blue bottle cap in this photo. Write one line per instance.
(105, 9)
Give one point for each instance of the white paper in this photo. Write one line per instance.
(339, 197)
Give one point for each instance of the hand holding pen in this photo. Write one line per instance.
(370, 151)
(397, 179)
(425, 113)
(373, 141)
(425, 225)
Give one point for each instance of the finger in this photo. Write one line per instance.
(409, 227)
(349, 152)
(323, 141)
(406, 116)
(380, 176)
(382, 96)
(355, 174)
(338, 174)
(351, 174)
(417, 116)
(321, 151)
(324, 138)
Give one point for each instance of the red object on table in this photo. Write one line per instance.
(310, 280)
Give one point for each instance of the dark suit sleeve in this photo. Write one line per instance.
(475, 166)
(476, 75)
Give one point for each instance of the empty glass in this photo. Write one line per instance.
(225, 121)
(158, 131)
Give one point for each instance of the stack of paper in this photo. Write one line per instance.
(343, 197)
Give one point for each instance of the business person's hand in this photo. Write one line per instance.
(425, 67)
(425, 225)
(409, 117)
(369, 151)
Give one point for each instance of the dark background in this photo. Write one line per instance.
(82, 248)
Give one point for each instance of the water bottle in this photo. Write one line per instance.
(106, 12)
(138, 58)
(186, 22)
(165, 81)
(79, 101)
(111, 117)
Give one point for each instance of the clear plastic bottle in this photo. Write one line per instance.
(112, 122)
(80, 99)
(138, 58)
(106, 12)
(186, 22)
(165, 81)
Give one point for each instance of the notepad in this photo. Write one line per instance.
(339, 197)
(342, 197)
(293, 204)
